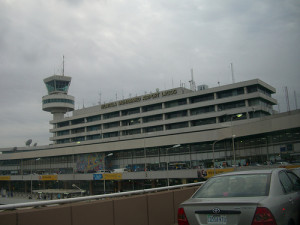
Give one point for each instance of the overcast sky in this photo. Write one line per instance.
(120, 48)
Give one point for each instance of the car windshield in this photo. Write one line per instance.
(244, 185)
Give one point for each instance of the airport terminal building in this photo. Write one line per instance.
(165, 137)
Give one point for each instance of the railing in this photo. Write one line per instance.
(94, 197)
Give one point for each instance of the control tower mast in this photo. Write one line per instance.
(58, 102)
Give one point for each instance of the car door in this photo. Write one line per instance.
(290, 200)
(296, 186)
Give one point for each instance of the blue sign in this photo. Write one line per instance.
(97, 176)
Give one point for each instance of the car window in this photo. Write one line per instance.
(242, 185)
(295, 180)
(286, 182)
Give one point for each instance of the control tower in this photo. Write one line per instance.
(58, 102)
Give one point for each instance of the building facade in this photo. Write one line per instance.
(161, 138)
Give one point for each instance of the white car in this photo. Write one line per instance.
(257, 197)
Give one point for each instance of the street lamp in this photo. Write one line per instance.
(175, 146)
(31, 175)
(233, 148)
(75, 186)
(108, 155)
(233, 135)
(213, 148)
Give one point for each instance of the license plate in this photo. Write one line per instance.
(216, 219)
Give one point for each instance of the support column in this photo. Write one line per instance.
(91, 187)
(25, 183)
(153, 184)
(119, 185)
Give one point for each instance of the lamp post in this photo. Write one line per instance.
(233, 148)
(75, 186)
(233, 135)
(213, 148)
(175, 146)
(110, 154)
(31, 175)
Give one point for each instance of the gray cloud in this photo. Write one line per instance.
(122, 48)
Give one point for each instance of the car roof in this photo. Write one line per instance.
(246, 172)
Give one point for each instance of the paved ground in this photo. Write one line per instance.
(14, 200)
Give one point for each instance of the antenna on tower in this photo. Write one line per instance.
(296, 106)
(192, 82)
(232, 73)
(287, 98)
(99, 98)
(63, 69)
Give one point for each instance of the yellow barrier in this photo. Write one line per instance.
(48, 177)
(112, 176)
(4, 177)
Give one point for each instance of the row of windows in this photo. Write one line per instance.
(58, 100)
(195, 99)
(151, 129)
(285, 138)
(200, 122)
(172, 115)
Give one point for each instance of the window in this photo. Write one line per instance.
(111, 115)
(63, 124)
(177, 125)
(93, 128)
(131, 122)
(175, 103)
(130, 111)
(93, 137)
(151, 107)
(131, 132)
(77, 139)
(230, 93)
(295, 180)
(111, 134)
(202, 110)
(111, 125)
(152, 118)
(93, 118)
(153, 129)
(78, 130)
(231, 105)
(202, 98)
(235, 186)
(176, 114)
(78, 121)
(58, 100)
(286, 182)
(203, 121)
(64, 132)
(62, 141)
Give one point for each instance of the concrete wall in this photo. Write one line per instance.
(150, 209)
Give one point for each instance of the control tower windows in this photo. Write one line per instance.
(57, 85)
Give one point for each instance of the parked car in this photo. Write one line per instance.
(120, 170)
(247, 198)
(103, 171)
